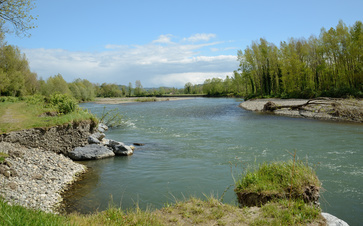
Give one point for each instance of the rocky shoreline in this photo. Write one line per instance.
(350, 110)
(35, 178)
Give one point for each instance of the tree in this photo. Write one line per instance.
(129, 89)
(138, 88)
(55, 84)
(188, 88)
(17, 13)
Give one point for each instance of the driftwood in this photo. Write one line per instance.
(271, 106)
(323, 108)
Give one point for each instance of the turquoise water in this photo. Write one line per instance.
(195, 147)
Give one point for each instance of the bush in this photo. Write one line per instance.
(63, 103)
(9, 99)
(35, 99)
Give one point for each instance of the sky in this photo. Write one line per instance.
(165, 42)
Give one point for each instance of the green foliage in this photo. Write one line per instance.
(278, 178)
(35, 100)
(82, 90)
(111, 118)
(63, 103)
(9, 99)
(18, 215)
(331, 65)
(284, 212)
(15, 76)
(54, 84)
(109, 90)
(17, 13)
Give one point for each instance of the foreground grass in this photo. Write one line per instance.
(21, 115)
(193, 211)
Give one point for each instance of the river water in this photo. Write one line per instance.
(196, 147)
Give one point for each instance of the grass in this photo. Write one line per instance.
(278, 178)
(192, 211)
(146, 99)
(17, 215)
(16, 116)
(3, 156)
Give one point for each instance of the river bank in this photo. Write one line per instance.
(320, 108)
(124, 100)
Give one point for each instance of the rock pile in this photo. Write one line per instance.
(99, 147)
(34, 178)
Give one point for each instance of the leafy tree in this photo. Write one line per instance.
(188, 88)
(138, 88)
(16, 77)
(17, 13)
(129, 89)
(55, 84)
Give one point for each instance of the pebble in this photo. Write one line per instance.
(40, 177)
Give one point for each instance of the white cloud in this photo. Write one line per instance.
(172, 64)
(200, 37)
(165, 39)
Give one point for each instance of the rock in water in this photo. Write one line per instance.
(102, 127)
(120, 148)
(333, 220)
(123, 150)
(89, 152)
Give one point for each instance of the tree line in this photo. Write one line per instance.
(328, 65)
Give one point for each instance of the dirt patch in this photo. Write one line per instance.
(10, 117)
(319, 108)
(250, 199)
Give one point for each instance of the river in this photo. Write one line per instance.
(196, 147)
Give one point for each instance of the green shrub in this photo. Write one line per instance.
(9, 99)
(63, 103)
(35, 99)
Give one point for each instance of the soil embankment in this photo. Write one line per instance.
(319, 108)
(36, 171)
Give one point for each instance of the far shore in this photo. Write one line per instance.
(323, 108)
(123, 100)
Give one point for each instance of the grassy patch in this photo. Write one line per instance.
(284, 212)
(284, 178)
(189, 212)
(146, 99)
(17, 215)
(21, 115)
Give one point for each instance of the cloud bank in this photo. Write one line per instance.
(161, 62)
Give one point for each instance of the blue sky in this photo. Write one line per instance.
(165, 43)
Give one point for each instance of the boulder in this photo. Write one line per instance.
(89, 152)
(102, 127)
(93, 140)
(120, 148)
(98, 136)
(123, 150)
(333, 220)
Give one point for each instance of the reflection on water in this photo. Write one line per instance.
(192, 147)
